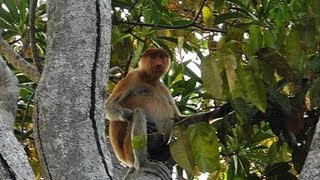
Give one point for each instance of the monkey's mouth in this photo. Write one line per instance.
(158, 70)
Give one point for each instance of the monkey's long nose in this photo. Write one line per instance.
(159, 64)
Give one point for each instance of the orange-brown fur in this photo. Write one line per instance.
(141, 88)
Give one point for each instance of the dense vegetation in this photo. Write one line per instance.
(260, 57)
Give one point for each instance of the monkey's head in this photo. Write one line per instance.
(155, 62)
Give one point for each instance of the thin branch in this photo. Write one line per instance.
(32, 34)
(16, 40)
(144, 41)
(133, 5)
(205, 117)
(163, 26)
(200, 10)
(193, 23)
(18, 62)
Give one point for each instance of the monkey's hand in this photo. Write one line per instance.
(114, 112)
(126, 114)
(151, 127)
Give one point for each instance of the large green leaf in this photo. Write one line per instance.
(254, 87)
(255, 40)
(204, 143)
(181, 151)
(211, 77)
(294, 51)
(228, 60)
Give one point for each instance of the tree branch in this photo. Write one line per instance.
(205, 117)
(163, 26)
(18, 62)
(12, 165)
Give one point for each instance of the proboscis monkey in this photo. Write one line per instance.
(142, 100)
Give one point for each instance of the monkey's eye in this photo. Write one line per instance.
(153, 56)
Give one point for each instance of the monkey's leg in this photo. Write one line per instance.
(139, 133)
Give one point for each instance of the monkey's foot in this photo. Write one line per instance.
(154, 169)
(157, 169)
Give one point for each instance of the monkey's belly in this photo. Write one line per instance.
(157, 109)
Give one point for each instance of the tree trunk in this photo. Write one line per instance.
(69, 125)
(13, 160)
(311, 168)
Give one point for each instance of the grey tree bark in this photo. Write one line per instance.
(13, 160)
(69, 125)
(311, 168)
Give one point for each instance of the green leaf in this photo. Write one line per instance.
(207, 16)
(231, 169)
(229, 16)
(139, 142)
(180, 43)
(155, 11)
(268, 38)
(236, 164)
(263, 70)
(12, 6)
(228, 60)
(23, 5)
(175, 40)
(181, 151)
(218, 3)
(294, 51)
(241, 108)
(6, 16)
(137, 54)
(211, 77)
(255, 40)
(4, 24)
(204, 143)
(163, 2)
(117, 36)
(253, 87)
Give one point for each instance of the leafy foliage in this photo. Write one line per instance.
(261, 57)
(257, 56)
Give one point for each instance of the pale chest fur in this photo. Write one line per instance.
(155, 100)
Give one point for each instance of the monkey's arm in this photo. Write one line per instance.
(114, 111)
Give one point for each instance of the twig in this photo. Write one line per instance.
(162, 26)
(133, 5)
(198, 14)
(32, 35)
